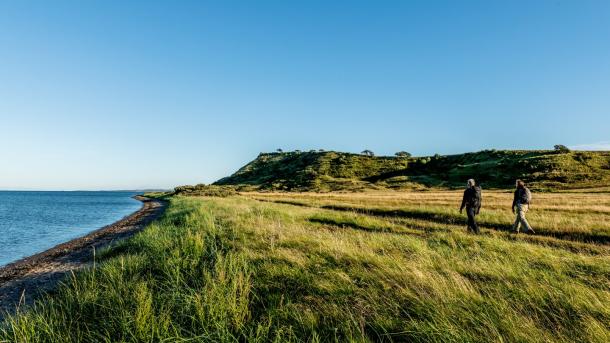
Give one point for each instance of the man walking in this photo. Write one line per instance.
(521, 200)
(472, 201)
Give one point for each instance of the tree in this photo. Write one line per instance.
(280, 151)
(368, 153)
(403, 154)
(561, 148)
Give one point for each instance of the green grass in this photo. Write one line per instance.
(178, 279)
(332, 171)
(237, 269)
(311, 170)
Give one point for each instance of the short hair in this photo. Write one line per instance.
(520, 183)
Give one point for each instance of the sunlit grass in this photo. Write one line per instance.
(571, 216)
(239, 269)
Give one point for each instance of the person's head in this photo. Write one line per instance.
(519, 184)
(470, 183)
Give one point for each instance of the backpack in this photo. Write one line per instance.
(473, 197)
(476, 202)
(525, 196)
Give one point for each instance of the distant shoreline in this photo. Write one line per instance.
(85, 190)
(23, 280)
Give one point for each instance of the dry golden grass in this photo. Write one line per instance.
(579, 217)
(384, 278)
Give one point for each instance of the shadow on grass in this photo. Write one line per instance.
(356, 226)
(286, 202)
(454, 219)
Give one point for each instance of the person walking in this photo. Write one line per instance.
(521, 201)
(472, 201)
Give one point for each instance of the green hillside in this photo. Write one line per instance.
(328, 171)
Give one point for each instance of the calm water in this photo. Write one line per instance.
(31, 222)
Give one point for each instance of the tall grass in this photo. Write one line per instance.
(177, 280)
(237, 269)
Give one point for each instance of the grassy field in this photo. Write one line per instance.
(386, 266)
(578, 216)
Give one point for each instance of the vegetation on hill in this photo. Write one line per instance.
(312, 170)
(205, 190)
(331, 171)
(236, 269)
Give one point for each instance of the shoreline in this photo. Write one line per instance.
(22, 281)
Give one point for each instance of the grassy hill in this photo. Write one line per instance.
(329, 171)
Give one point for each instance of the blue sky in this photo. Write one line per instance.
(117, 94)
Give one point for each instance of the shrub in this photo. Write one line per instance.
(403, 154)
(205, 190)
(561, 148)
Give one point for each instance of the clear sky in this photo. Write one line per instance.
(138, 94)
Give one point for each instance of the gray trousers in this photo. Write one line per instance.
(472, 223)
(521, 221)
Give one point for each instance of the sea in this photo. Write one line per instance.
(32, 221)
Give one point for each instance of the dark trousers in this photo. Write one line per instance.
(472, 223)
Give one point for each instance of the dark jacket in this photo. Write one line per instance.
(522, 196)
(472, 198)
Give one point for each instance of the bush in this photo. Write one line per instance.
(561, 148)
(205, 190)
(403, 154)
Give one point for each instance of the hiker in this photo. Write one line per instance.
(521, 200)
(472, 202)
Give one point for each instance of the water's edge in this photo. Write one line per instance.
(27, 259)
(23, 281)
(33, 222)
